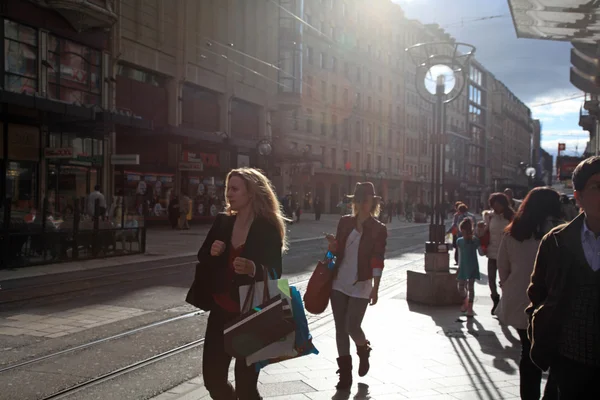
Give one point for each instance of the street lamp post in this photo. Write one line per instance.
(442, 74)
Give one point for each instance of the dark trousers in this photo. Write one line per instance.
(215, 364)
(317, 215)
(492, 275)
(348, 314)
(531, 375)
(575, 380)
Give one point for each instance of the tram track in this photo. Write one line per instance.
(389, 289)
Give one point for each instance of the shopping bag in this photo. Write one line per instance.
(302, 345)
(258, 325)
(318, 291)
(275, 287)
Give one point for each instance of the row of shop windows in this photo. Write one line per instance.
(68, 181)
(74, 70)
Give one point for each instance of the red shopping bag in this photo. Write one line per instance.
(318, 290)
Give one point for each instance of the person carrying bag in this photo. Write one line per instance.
(244, 243)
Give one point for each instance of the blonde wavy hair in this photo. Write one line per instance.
(375, 207)
(263, 199)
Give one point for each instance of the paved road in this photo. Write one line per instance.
(126, 300)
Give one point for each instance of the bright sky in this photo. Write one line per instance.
(537, 71)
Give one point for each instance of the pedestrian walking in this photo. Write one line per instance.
(496, 220)
(468, 267)
(539, 212)
(462, 212)
(565, 294)
(185, 209)
(173, 212)
(359, 247)
(244, 243)
(318, 208)
(93, 209)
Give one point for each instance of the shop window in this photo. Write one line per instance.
(75, 74)
(21, 188)
(20, 58)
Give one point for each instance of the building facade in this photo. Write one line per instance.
(204, 73)
(348, 111)
(512, 137)
(56, 114)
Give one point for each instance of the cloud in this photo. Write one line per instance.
(528, 67)
(557, 108)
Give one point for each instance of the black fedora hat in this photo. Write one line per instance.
(362, 190)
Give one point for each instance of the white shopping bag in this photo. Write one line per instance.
(285, 346)
(282, 348)
(276, 287)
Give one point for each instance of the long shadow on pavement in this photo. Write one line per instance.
(459, 331)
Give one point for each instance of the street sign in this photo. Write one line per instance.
(125, 159)
(59, 153)
(562, 147)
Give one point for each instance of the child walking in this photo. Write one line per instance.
(468, 266)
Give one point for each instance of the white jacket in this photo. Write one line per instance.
(515, 266)
(495, 224)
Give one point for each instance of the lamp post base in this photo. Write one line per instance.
(437, 285)
(432, 288)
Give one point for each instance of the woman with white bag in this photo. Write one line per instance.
(243, 244)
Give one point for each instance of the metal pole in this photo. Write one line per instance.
(436, 168)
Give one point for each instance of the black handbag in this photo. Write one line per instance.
(200, 294)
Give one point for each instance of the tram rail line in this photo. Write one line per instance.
(388, 290)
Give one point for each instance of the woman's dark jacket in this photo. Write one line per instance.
(263, 246)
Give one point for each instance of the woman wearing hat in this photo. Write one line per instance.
(359, 247)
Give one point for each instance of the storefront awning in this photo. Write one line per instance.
(563, 20)
(47, 105)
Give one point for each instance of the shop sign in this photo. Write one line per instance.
(133, 177)
(208, 159)
(89, 160)
(243, 160)
(191, 166)
(59, 153)
(125, 159)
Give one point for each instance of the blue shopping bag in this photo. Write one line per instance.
(303, 344)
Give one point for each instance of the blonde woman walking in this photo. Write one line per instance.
(243, 244)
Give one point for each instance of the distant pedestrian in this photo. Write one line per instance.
(462, 212)
(318, 208)
(94, 209)
(496, 221)
(468, 267)
(245, 243)
(173, 212)
(537, 215)
(359, 246)
(565, 294)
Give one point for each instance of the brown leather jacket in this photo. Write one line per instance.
(371, 250)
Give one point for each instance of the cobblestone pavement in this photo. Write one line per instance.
(428, 353)
(60, 324)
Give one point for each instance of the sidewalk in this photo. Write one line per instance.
(419, 352)
(164, 244)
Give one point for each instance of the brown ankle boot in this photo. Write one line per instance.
(363, 353)
(345, 373)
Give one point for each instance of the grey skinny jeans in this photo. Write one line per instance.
(348, 314)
